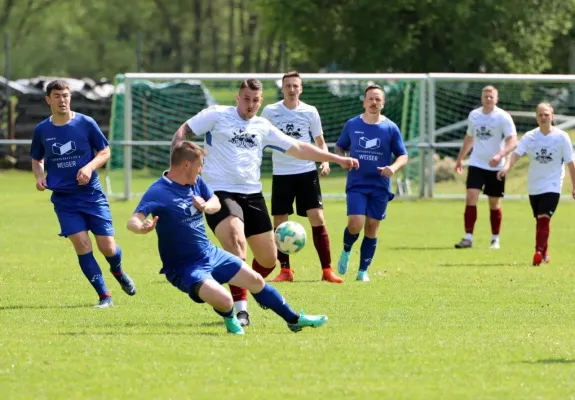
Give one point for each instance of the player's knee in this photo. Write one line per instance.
(315, 217)
(256, 282)
(82, 243)
(107, 247)
(354, 226)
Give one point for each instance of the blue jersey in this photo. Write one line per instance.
(65, 149)
(181, 232)
(373, 145)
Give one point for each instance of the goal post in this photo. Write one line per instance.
(147, 109)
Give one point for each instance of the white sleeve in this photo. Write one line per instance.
(316, 129)
(567, 152)
(204, 121)
(277, 140)
(469, 126)
(508, 127)
(521, 148)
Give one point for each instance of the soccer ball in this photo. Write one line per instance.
(290, 237)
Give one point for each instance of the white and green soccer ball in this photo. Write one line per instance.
(290, 237)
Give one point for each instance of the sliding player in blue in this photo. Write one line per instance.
(190, 261)
(372, 139)
(70, 147)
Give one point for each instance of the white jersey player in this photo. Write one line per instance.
(492, 135)
(234, 140)
(548, 148)
(299, 179)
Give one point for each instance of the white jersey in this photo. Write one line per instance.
(234, 148)
(302, 123)
(547, 154)
(489, 132)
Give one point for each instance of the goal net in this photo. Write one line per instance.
(148, 108)
(453, 96)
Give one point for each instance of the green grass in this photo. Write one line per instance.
(434, 322)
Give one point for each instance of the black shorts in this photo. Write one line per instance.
(250, 208)
(486, 180)
(304, 188)
(544, 203)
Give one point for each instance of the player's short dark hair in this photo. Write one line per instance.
(186, 151)
(252, 84)
(373, 87)
(291, 74)
(58, 84)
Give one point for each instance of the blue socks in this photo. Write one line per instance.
(366, 252)
(348, 240)
(227, 314)
(270, 298)
(93, 273)
(115, 262)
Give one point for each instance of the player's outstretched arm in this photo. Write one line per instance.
(465, 149)
(139, 224)
(305, 151)
(184, 132)
(508, 165)
(38, 168)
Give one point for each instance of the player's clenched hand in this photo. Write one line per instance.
(459, 166)
(149, 225)
(501, 174)
(41, 184)
(494, 162)
(348, 163)
(324, 169)
(199, 203)
(387, 171)
(84, 175)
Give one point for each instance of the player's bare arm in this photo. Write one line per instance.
(184, 132)
(305, 151)
(38, 169)
(510, 144)
(139, 224)
(324, 167)
(85, 173)
(571, 168)
(508, 165)
(211, 206)
(389, 170)
(465, 149)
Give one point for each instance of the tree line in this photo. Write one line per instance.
(87, 38)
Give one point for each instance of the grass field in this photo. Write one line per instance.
(435, 322)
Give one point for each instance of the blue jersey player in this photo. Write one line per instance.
(190, 261)
(70, 147)
(372, 139)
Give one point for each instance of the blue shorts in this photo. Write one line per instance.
(78, 212)
(371, 204)
(216, 264)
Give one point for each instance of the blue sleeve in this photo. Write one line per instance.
(37, 150)
(344, 140)
(397, 146)
(148, 204)
(97, 139)
(205, 191)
